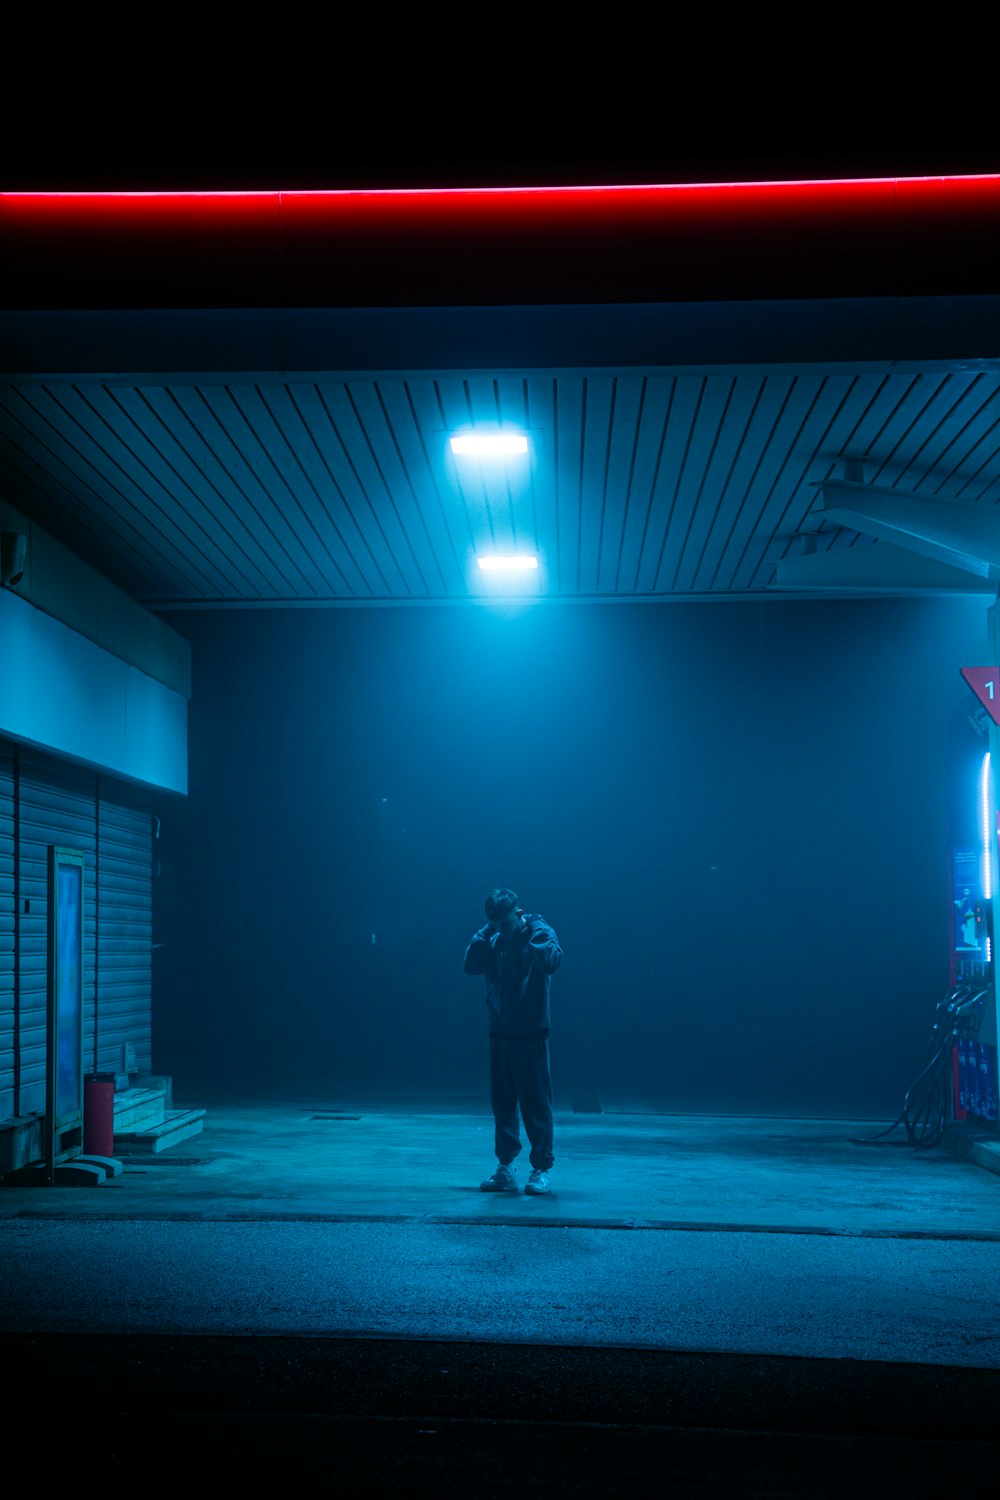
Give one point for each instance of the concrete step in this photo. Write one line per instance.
(973, 1140)
(177, 1125)
(138, 1109)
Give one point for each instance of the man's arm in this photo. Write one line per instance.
(478, 951)
(544, 949)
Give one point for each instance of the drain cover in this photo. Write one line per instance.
(153, 1159)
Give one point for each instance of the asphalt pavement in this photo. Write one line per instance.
(321, 1291)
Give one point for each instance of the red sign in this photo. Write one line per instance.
(985, 683)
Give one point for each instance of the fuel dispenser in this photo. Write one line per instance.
(973, 880)
(957, 1082)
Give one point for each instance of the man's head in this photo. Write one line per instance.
(502, 910)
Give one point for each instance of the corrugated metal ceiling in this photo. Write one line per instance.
(344, 491)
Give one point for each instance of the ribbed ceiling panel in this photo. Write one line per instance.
(637, 485)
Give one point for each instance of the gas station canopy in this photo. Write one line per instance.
(732, 391)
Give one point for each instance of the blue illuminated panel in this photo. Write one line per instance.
(68, 984)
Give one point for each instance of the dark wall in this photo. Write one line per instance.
(734, 815)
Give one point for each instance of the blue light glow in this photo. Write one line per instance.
(985, 814)
(984, 823)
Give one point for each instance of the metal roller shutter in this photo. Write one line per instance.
(125, 928)
(43, 801)
(8, 1080)
(57, 804)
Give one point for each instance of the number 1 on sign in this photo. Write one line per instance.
(985, 683)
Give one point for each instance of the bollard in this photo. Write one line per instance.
(99, 1114)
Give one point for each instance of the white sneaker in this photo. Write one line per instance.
(538, 1182)
(504, 1180)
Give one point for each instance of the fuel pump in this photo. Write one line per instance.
(973, 882)
(957, 1083)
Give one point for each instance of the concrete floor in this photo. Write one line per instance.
(721, 1249)
(405, 1163)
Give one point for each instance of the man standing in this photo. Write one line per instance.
(518, 954)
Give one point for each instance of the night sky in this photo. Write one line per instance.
(453, 106)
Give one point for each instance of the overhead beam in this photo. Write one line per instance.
(881, 571)
(963, 535)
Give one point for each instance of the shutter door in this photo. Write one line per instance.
(43, 801)
(7, 1103)
(57, 805)
(124, 927)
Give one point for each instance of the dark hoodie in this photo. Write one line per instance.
(517, 971)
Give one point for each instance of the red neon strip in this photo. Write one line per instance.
(655, 201)
(661, 187)
(857, 237)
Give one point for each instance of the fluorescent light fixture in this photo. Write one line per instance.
(489, 444)
(985, 806)
(497, 564)
(984, 823)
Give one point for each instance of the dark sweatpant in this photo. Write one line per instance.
(519, 1075)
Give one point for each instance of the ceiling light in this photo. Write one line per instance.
(489, 444)
(497, 564)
